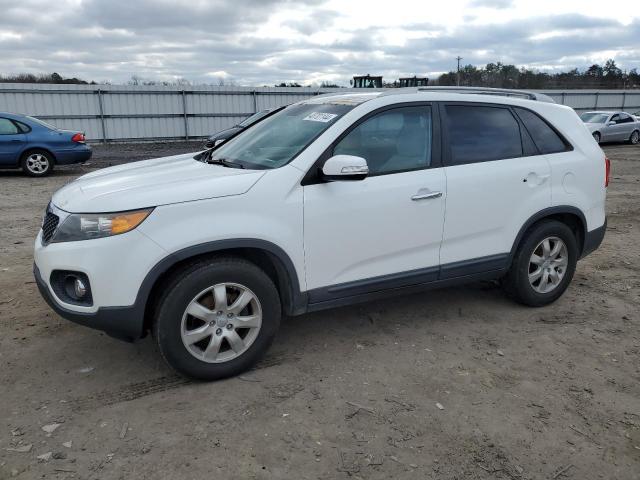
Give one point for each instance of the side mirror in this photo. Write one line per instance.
(345, 167)
(611, 124)
(218, 142)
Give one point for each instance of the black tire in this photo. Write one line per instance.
(181, 290)
(634, 138)
(45, 162)
(596, 137)
(516, 282)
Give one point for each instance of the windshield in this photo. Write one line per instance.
(253, 118)
(593, 117)
(44, 124)
(278, 139)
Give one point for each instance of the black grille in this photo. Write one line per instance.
(49, 225)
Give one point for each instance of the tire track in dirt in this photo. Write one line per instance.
(136, 390)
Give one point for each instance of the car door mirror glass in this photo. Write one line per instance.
(345, 167)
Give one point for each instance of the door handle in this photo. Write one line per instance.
(421, 195)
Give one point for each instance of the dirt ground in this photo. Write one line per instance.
(459, 383)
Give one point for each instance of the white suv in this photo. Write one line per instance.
(331, 201)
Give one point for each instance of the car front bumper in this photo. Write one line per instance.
(124, 323)
(115, 267)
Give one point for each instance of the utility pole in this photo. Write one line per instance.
(458, 58)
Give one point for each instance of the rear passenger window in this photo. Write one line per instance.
(23, 128)
(481, 134)
(545, 138)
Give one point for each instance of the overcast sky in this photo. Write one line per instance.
(257, 42)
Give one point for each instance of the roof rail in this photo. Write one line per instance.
(503, 92)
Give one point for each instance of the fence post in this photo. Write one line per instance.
(624, 99)
(255, 102)
(101, 111)
(595, 107)
(563, 94)
(184, 115)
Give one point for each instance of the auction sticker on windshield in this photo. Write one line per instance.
(320, 117)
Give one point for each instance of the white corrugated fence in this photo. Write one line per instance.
(125, 112)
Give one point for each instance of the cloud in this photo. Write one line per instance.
(263, 42)
(491, 3)
(315, 21)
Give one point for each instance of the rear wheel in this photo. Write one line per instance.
(543, 265)
(634, 139)
(37, 163)
(217, 319)
(596, 137)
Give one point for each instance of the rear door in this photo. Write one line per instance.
(496, 180)
(12, 142)
(626, 125)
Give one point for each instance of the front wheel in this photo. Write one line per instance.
(217, 319)
(634, 139)
(543, 265)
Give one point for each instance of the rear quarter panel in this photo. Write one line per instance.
(59, 143)
(577, 176)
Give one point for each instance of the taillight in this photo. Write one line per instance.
(78, 138)
(607, 171)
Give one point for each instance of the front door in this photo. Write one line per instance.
(383, 231)
(613, 130)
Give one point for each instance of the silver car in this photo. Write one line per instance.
(612, 126)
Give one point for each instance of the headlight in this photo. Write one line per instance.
(85, 226)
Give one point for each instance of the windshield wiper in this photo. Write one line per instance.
(224, 162)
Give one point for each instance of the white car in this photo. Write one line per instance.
(334, 200)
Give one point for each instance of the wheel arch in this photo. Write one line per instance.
(273, 260)
(35, 148)
(570, 216)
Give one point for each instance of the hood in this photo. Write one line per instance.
(150, 183)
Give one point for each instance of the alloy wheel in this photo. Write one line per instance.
(37, 163)
(635, 137)
(221, 322)
(548, 264)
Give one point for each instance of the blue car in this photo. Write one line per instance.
(36, 146)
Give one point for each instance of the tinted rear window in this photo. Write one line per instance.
(480, 134)
(545, 138)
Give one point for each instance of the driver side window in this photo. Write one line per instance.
(392, 141)
(615, 118)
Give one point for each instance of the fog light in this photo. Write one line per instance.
(71, 287)
(79, 288)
